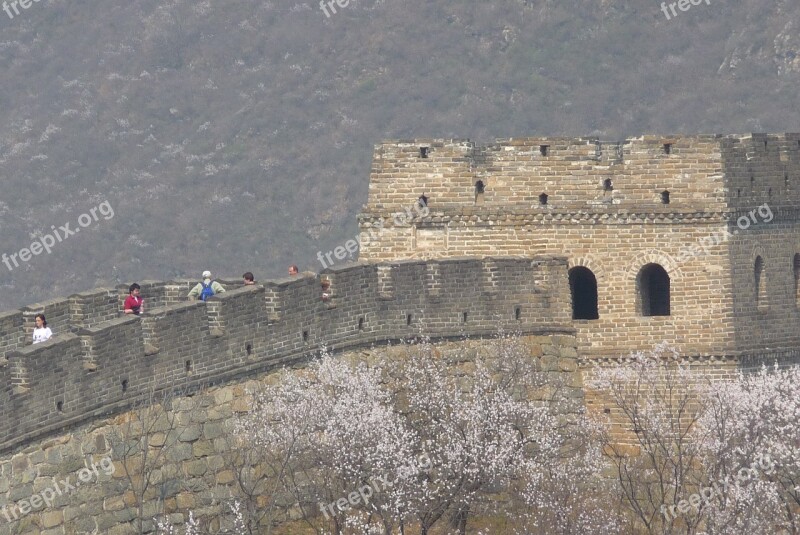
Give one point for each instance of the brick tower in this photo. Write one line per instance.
(689, 239)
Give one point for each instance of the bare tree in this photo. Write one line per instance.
(655, 401)
(262, 476)
(141, 441)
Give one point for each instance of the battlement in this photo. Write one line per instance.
(99, 360)
(698, 173)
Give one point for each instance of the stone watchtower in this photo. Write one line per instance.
(690, 239)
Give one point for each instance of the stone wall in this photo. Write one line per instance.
(195, 473)
(99, 362)
(771, 319)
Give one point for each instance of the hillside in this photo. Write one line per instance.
(238, 135)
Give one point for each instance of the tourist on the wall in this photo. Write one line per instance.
(134, 304)
(326, 290)
(207, 288)
(293, 271)
(248, 279)
(42, 332)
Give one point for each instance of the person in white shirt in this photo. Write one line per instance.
(42, 332)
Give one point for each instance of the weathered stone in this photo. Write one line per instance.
(114, 503)
(215, 462)
(52, 519)
(203, 448)
(124, 515)
(567, 364)
(190, 433)
(157, 440)
(241, 405)
(20, 463)
(196, 468)
(124, 529)
(179, 452)
(226, 477)
(549, 363)
(225, 395)
(568, 352)
(185, 501)
(212, 430)
(20, 491)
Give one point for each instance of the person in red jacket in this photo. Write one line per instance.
(134, 304)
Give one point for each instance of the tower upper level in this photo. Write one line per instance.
(683, 174)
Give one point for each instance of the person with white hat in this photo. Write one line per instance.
(207, 288)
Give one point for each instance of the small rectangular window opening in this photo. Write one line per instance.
(544, 150)
(188, 365)
(60, 406)
(464, 317)
(423, 152)
(305, 336)
(124, 385)
(409, 318)
(518, 313)
(667, 148)
(480, 188)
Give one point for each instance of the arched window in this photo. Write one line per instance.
(797, 280)
(759, 283)
(583, 287)
(653, 291)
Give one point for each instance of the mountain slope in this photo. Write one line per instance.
(238, 136)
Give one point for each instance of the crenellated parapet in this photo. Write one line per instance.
(684, 174)
(100, 361)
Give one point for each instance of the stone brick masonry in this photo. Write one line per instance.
(99, 362)
(195, 473)
(616, 208)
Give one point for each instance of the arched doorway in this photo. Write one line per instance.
(653, 291)
(583, 287)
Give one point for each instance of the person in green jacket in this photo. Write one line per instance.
(206, 289)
